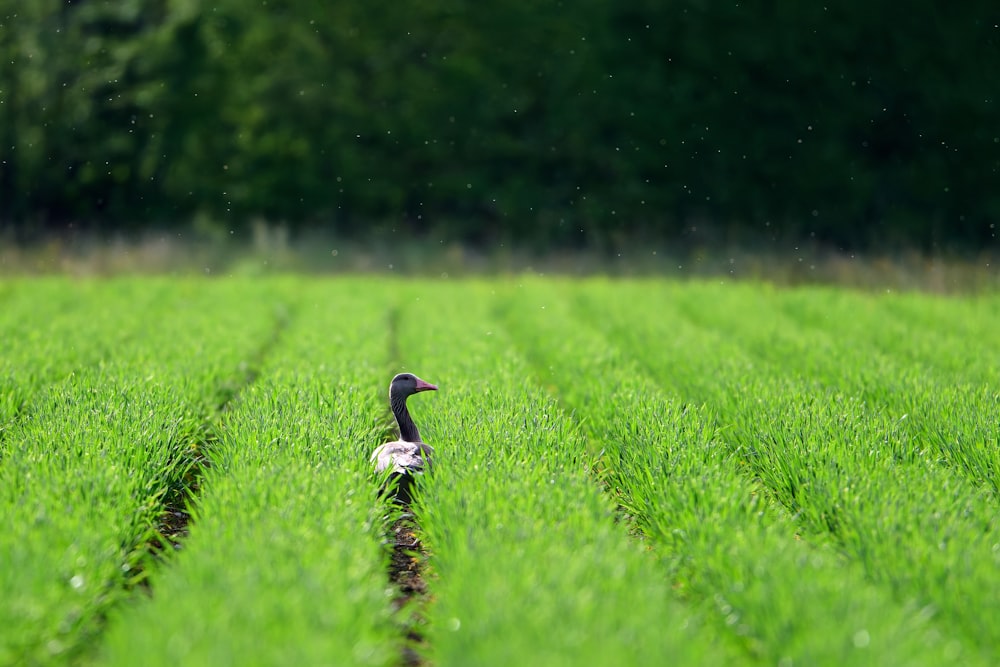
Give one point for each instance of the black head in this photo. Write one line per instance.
(405, 384)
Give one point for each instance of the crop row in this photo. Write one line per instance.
(285, 563)
(52, 327)
(721, 536)
(86, 471)
(527, 563)
(625, 473)
(845, 431)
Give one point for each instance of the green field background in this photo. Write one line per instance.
(628, 472)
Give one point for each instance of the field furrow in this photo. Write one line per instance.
(721, 542)
(88, 471)
(527, 563)
(285, 563)
(626, 472)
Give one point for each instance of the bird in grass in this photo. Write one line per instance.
(408, 456)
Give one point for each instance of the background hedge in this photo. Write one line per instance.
(548, 123)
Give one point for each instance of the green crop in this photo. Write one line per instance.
(528, 565)
(284, 563)
(50, 328)
(722, 536)
(86, 471)
(635, 472)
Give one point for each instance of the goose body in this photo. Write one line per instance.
(407, 456)
(403, 457)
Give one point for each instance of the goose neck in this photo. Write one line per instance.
(407, 429)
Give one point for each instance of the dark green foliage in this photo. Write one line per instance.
(547, 123)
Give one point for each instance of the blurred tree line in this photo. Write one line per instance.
(547, 123)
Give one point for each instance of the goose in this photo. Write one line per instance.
(407, 456)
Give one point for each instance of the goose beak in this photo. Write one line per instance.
(425, 386)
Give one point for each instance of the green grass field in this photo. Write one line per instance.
(628, 472)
